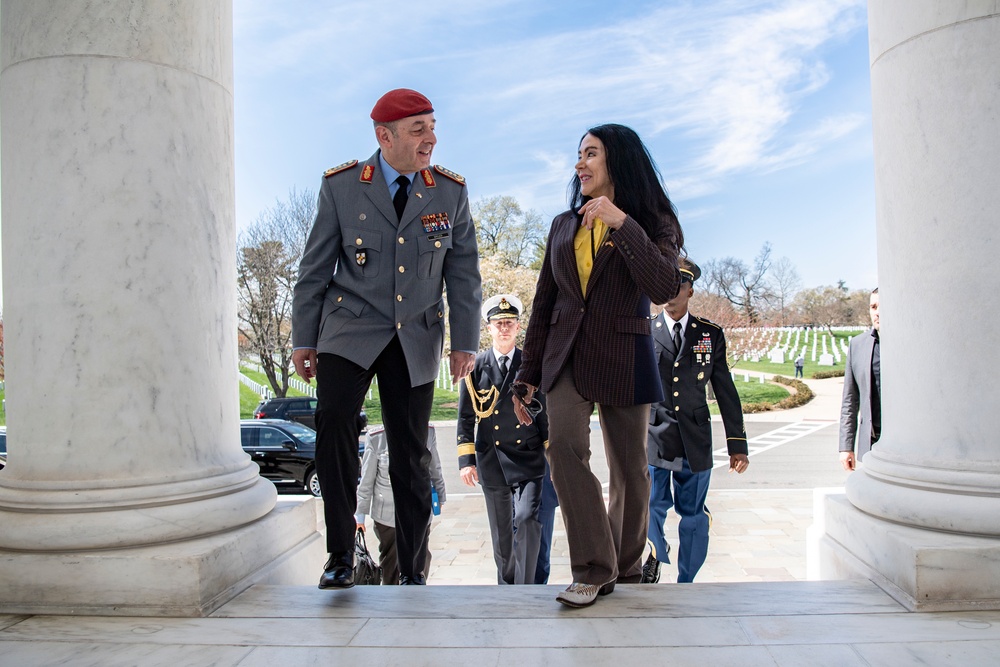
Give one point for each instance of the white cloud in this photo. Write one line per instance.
(716, 89)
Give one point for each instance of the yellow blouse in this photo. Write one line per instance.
(585, 252)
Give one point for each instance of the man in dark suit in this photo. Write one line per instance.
(690, 352)
(862, 392)
(389, 234)
(506, 458)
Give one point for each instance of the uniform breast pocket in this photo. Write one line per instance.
(433, 248)
(362, 248)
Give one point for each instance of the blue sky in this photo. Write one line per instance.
(757, 112)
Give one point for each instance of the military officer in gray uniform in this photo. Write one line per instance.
(690, 353)
(494, 449)
(389, 234)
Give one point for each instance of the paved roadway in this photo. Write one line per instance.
(783, 455)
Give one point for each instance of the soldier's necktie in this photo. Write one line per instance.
(399, 199)
(503, 366)
(677, 338)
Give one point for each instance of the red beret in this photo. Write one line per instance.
(400, 103)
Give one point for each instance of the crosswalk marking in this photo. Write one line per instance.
(772, 439)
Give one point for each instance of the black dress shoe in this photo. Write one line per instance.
(415, 580)
(338, 571)
(651, 570)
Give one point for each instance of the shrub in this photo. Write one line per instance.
(822, 375)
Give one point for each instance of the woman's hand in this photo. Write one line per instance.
(602, 208)
(520, 401)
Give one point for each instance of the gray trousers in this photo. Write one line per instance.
(605, 543)
(516, 529)
(387, 554)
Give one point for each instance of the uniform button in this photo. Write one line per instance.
(518, 426)
(437, 244)
(402, 269)
(440, 314)
(496, 428)
(498, 443)
(399, 325)
(676, 379)
(399, 297)
(677, 408)
(676, 364)
(358, 241)
(496, 412)
(583, 310)
(339, 299)
(401, 240)
(519, 442)
(677, 393)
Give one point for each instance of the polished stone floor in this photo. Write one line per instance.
(790, 624)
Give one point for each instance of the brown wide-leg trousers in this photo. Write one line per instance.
(605, 544)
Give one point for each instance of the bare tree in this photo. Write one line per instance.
(716, 308)
(832, 305)
(507, 233)
(267, 266)
(744, 286)
(783, 283)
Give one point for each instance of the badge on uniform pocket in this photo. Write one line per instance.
(360, 257)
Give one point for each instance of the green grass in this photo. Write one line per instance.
(755, 392)
(445, 406)
(788, 368)
(3, 413)
(248, 401)
(261, 379)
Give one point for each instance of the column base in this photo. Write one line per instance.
(924, 570)
(188, 578)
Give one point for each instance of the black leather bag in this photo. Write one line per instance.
(366, 570)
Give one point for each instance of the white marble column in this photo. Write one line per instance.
(119, 290)
(924, 508)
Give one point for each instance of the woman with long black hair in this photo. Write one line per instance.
(589, 343)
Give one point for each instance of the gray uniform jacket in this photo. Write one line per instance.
(374, 490)
(857, 395)
(364, 277)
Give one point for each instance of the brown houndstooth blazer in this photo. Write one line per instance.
(607, 333)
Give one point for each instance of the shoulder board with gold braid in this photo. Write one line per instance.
(339, 168)
(450, 174)
(708, 322)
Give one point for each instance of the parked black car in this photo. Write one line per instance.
(3, 446)
(285, 451)
(297, 409)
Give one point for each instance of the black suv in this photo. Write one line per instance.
(298, 409)
(284, 450)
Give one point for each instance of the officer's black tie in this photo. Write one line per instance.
(503, 366)
(399, 200)
(677, 338)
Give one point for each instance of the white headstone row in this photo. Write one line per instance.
(259, 389)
